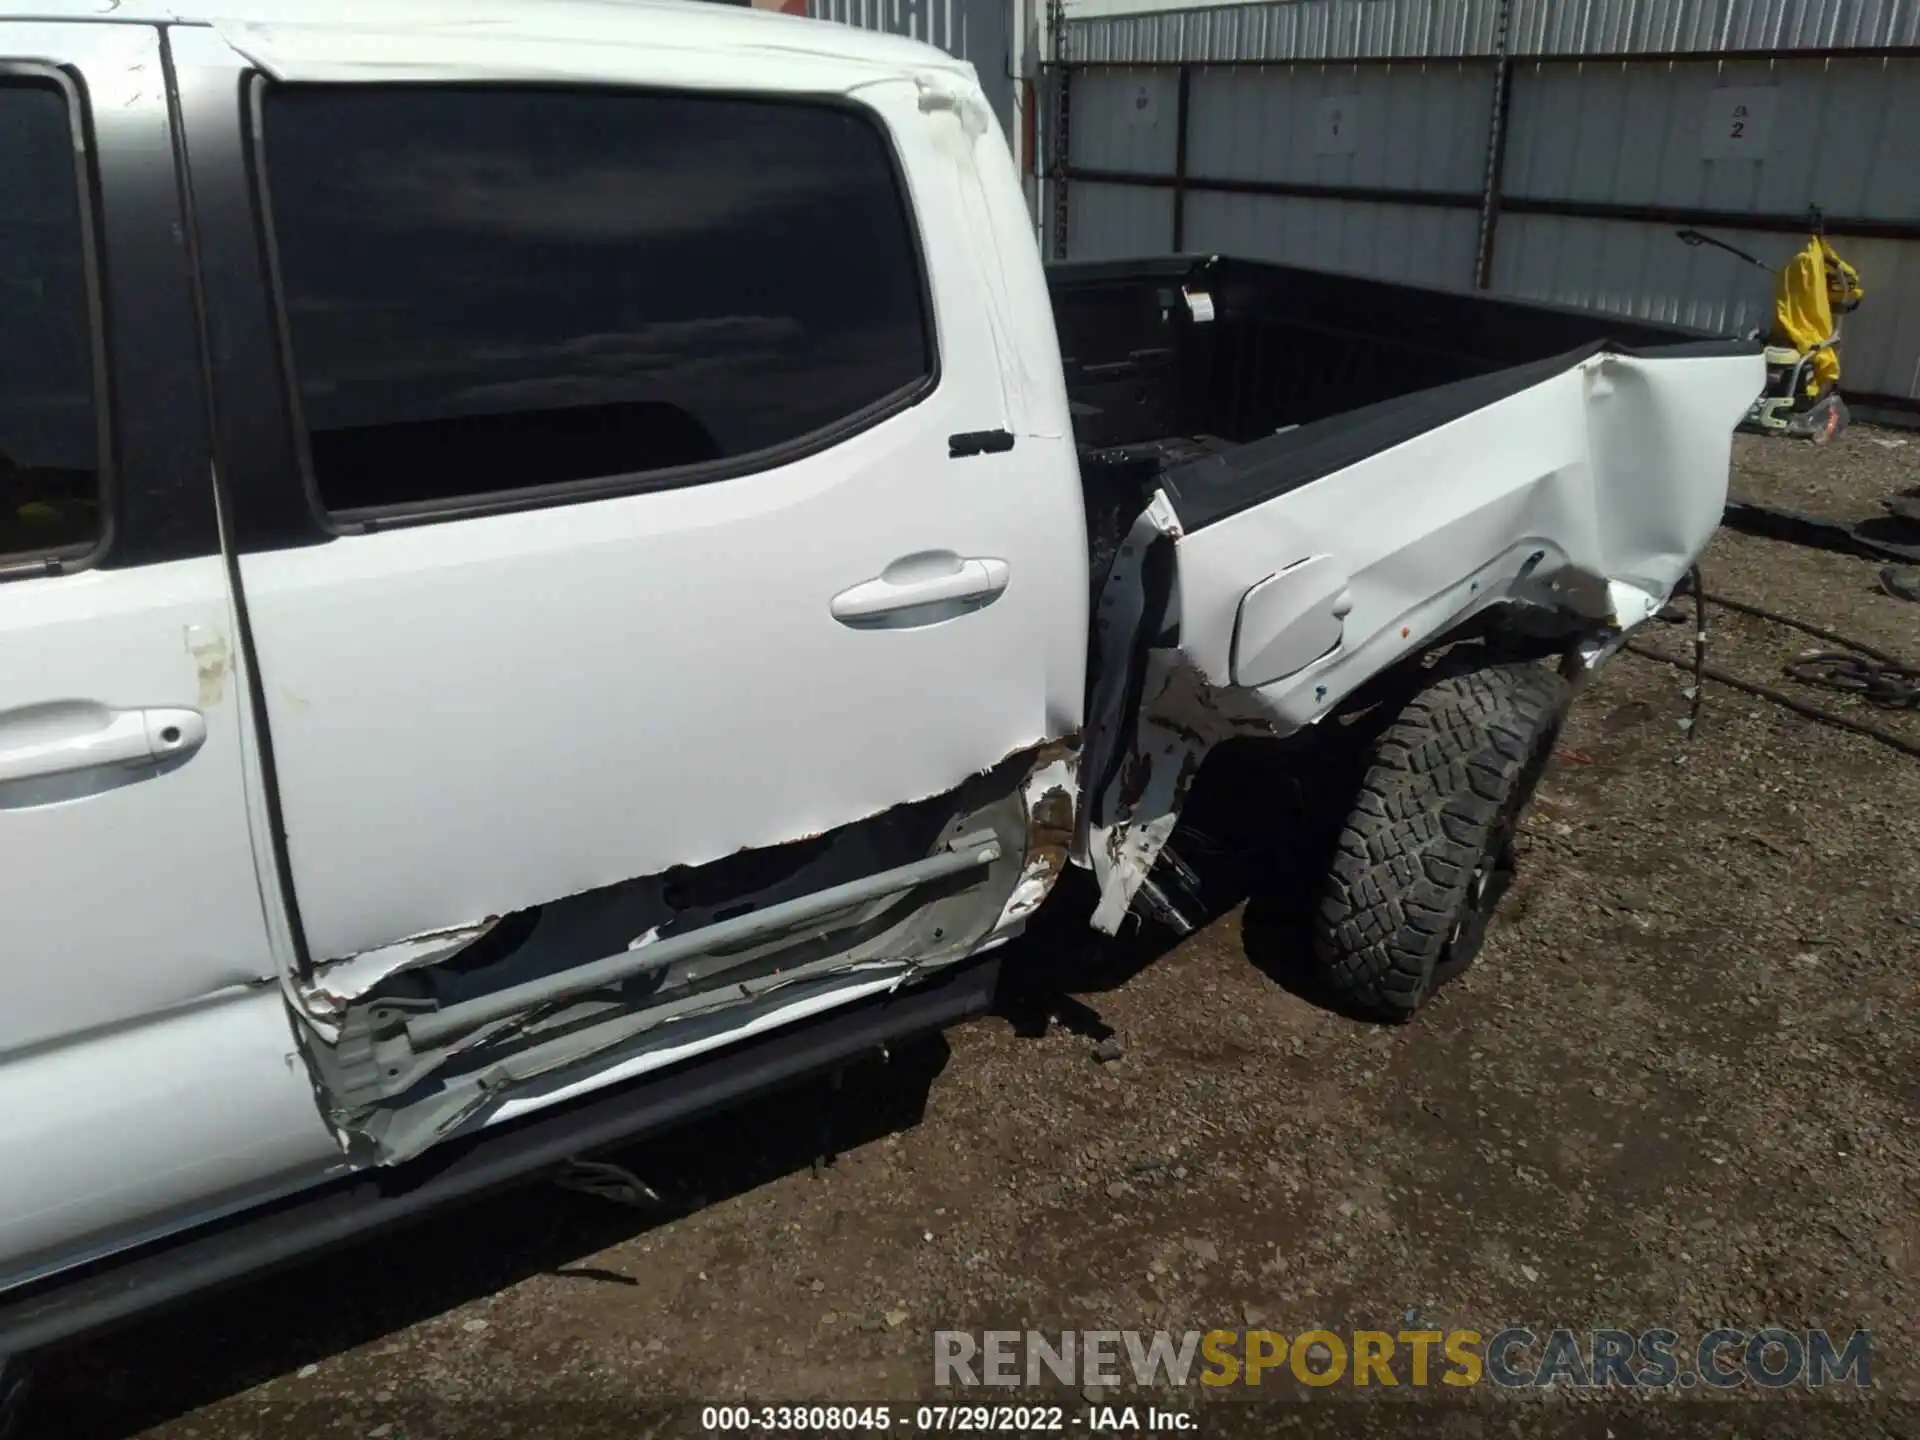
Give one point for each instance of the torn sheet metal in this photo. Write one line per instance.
(1050, 795)
(612, 731)
(325, 994)
(589, 987)
(1574, 507)
(1181, 719)
(1152, 720)
(626, 1045)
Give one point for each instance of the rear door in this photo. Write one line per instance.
(648, 489)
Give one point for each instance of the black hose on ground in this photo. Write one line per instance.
(1888, 686)
(1833, 637)
(1698, 697)
(1799, 707)
(1874, 675)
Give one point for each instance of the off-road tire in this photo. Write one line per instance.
(1426, 850)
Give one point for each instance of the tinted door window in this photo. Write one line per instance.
(489, 290)
(49, 431)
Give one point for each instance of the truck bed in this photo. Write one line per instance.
(1227, 382)
(1297, 480)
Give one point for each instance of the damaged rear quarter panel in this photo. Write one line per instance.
(1582, 500)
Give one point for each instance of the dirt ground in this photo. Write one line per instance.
(1679, 1089)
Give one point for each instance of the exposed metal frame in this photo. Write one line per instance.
(401, 1037)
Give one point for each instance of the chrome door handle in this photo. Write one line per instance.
(63, 736)
(921, 589)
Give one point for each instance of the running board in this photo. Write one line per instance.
(168, 1272)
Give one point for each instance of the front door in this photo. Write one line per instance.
(144, 1073)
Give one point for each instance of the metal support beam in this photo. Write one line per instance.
(1864, 227)
(1182, 98)
(1496, 152)
(1059, 116)
(1283, 189)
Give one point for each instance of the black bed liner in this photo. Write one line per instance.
(1342, 366)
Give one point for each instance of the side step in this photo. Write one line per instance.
(123, 1287)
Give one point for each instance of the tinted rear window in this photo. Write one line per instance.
(49, 428)
(489, 290)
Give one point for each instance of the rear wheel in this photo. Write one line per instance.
(1427, 849)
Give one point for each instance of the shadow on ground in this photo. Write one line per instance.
(172, 1363)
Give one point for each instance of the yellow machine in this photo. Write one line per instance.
(1810, 294)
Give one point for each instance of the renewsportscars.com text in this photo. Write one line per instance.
(1515, 1358)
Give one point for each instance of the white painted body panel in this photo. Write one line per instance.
(564, 698)
(374, 40)
(126, 890)
(477, 716)
(192, 1113)
(148, 1074)
(1588, 494)
(1614, 473)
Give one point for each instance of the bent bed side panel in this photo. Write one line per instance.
(1588, 490)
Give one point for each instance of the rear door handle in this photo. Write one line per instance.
(64, 736)
(921, 589)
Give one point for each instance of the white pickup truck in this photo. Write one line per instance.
(562, 564)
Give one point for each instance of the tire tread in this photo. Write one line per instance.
(1436, 783)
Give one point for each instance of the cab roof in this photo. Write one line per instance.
(370, 40)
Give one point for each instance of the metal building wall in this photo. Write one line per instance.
(1845, 136)
(1606, 161)
(1119, 222)
(1652, 27)
(1200, 130)
(1417, 146)
(1289, 30)
(1366, 200)
(978, 31)
(1109, 33)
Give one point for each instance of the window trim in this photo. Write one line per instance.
(367, 519)
(70, 559)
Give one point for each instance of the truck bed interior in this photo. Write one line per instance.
(1226, 382)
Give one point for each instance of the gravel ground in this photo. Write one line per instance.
(1679, 1089)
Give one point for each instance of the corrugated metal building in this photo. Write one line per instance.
(1546, 148)
(978, 31)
